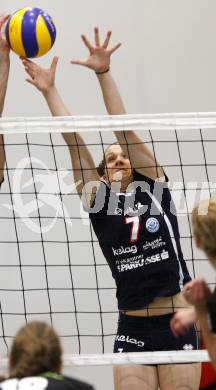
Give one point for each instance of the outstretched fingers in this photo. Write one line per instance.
(97, 36)
(54, 64)
(78, 62)
(29, 72)
(27, 63)
(31, 81)
(86, 42)
(30, 68)
(107, 39)
(114, 48)
(3, 19)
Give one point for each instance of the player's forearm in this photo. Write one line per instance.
(80, 155)
(55, 103)
(58, 108)
(111, 95)
(82, 161)
(73, 140)
(4, 74)
(208, 337)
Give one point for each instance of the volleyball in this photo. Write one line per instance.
(30, 32)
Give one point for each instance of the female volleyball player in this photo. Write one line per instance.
(197, 291)
(136, 229)
(4, 73)
(36, 356)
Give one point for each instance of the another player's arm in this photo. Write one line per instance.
(209, 337)
(99, 60)
(4, 74)
(197, 293)
(82, 161)
(183, 320)
(2, 159)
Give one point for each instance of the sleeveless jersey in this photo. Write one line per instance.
(48, 381)
(139, 237)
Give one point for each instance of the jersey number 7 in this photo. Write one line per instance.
(134, 228)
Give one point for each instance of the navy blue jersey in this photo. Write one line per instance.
(139, 237)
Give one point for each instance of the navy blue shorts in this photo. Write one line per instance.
(146, 334)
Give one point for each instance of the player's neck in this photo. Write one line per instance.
(122, 186)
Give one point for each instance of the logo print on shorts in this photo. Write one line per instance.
(188, 347)
(152, 225)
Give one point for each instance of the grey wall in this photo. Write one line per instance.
(166, 64)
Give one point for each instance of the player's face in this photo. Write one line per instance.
(117, 164)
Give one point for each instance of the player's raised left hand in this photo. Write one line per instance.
(42, 79)
(99, 54)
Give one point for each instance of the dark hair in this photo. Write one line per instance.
(36, 349)
(101, 169)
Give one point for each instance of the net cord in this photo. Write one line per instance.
(180, 121)
(147, 358)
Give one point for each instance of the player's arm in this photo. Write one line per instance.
(98, 60)
(4, 63)
(198, 293)
(4, 74)
(208, 336)
(82, 161)
(2, 159)
(183, 320)
(141, 157)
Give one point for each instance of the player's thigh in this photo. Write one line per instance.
(135, 377)
(179, 376)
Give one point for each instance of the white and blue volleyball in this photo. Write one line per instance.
(30, 32)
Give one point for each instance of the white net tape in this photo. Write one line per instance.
(106, 123)
(153, 358)
(148, 358)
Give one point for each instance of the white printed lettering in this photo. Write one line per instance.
(139, 261)
(157, 243)
(34, 383)
(122, 250)
(127, 339)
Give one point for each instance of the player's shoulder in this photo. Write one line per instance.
(77, 384)
(140, 176)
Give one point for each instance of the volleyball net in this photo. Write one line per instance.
(51, 266)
